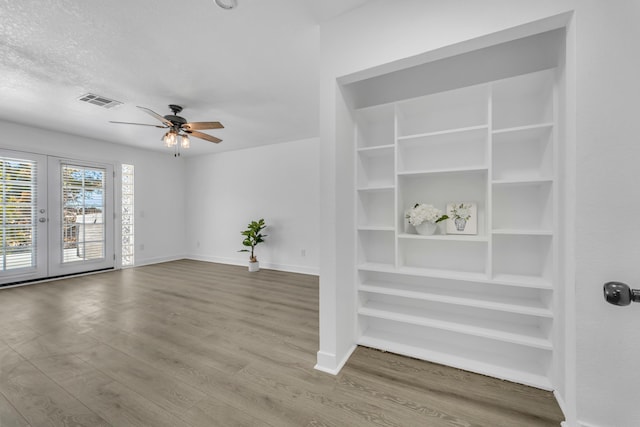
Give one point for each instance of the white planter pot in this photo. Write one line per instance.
(426, 228)
(254, 266)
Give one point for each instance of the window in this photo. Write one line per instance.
(18, 212)
(128, 245)
(83, 207)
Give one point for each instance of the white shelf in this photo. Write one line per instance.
(516, 255)
(464, 256)
(498, 303)
(480, 302)
(377, 188)
(523, 153)
(377, 267)
(443, 171)
(375, 167)
(451, 149)
(522, 232)
(376, 246)
(375, 209)
(446, 237)
(523, 205)
(379, 150)
(454, 109)
(424, 272)
(375, 126)
(375, 228)
(522, 280)
(523, 181)
(377, 184)
(494, 330)
(449, 355)
(519, 281)
(524, 100)
(443, 132)
(547, 125)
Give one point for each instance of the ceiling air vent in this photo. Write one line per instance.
(98, 100)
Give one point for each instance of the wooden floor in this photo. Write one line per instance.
(189, 343)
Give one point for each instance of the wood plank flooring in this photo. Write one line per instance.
(190, 343)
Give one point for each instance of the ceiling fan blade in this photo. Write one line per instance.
(204, 136)
(138, 124)
(202, 125)
(156, 115)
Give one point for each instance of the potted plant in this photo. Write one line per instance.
(425, 217)
(252, 237)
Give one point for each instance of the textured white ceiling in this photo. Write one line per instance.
(254, 68)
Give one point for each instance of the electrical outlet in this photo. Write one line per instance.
(142, 246)
(303, 252)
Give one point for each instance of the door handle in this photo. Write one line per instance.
(42, 219)
(618, 293)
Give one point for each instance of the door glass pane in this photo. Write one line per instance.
(83, 208)
(18, 212)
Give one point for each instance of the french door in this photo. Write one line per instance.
(57, 216)
(23, 208)
(80, 216)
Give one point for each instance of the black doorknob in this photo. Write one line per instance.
(618, 293)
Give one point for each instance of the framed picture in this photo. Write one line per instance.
(463, 218)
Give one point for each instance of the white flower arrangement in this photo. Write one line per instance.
(424, 213)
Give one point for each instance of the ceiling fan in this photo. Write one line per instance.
(179, 129)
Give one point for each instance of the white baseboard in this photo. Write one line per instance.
(562, 405)
(157, 260)
(267, 265)
(327, 362)
(580, 424)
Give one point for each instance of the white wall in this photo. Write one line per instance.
(208, 199)
(279, 183)
(159, 184)
(608, 152)
(603, 390)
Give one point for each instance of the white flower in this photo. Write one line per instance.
(423, 213)
(461, 211)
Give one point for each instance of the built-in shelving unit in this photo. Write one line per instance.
(481, 302)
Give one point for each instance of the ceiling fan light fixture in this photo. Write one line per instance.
(170, 139)
(227, 4)
(185, 143)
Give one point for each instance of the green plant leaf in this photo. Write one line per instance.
(442, 218)
(253, 235)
